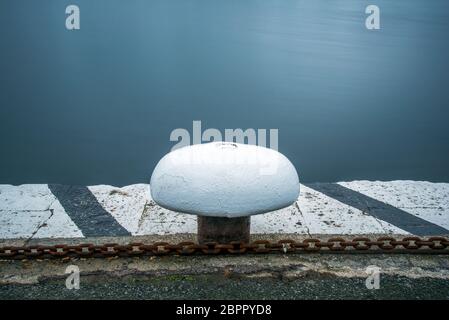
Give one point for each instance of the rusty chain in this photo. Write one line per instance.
(435, 245)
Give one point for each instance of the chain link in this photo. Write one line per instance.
(435, 245)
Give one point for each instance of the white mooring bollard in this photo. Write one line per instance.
(224, 184)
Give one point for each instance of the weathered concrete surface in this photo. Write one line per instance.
(204, 287)
(308, 276)
(32, 214)
(283, 276)
(380, 210)
(401, 207)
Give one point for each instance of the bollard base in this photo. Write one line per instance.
(223, 230)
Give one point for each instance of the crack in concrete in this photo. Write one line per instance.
(145, 213)
(45, 222)
(379, 222)
(375, 219)
(303, 218)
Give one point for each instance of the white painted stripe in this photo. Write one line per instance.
(21, 224)
(59, 225)
(125, 204)
(160, 221)
(35, 197)
(32, 211)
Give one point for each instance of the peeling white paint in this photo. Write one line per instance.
(325, 215)
(124, 204)
(157, 220)
(426, 200)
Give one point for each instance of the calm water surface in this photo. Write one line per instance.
(98, 105)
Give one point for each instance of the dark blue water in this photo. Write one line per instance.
(97, 105)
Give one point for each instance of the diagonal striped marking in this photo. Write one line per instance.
(378, 209)
(85, 211)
